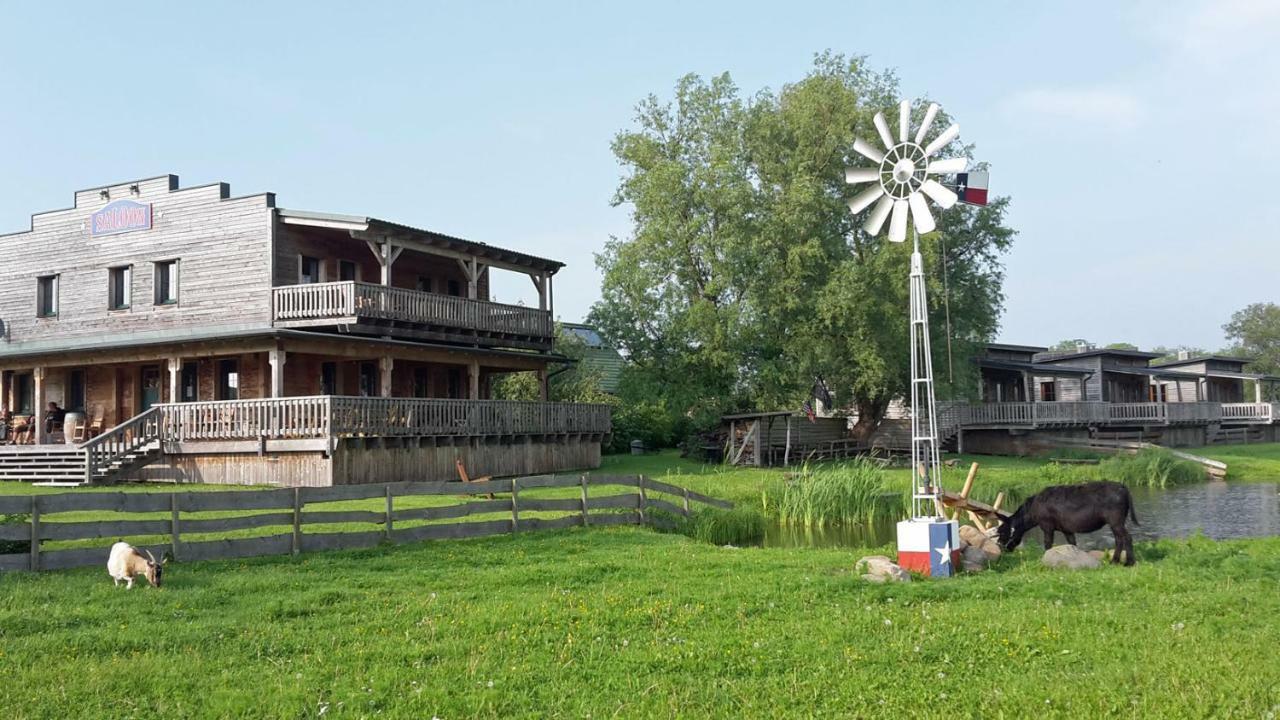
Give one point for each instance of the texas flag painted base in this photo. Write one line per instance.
(929, 546)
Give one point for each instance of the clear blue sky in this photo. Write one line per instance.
(1138, 140)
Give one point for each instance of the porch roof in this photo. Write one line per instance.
(1051, 370)
(360, 223)
(1202, 358)
(1152, 372)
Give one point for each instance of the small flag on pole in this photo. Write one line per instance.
(808, 411)
(972, 187)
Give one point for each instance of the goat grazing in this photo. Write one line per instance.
(126, 563)
(1072, 509)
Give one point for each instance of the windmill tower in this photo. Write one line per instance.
(901, 179)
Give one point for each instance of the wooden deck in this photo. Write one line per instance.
(1084, 414)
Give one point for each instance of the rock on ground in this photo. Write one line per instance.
(882, 569)
(974, 558)
(1070, 557)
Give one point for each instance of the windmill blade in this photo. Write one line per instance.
(940, 193)
(882, 126)
(898, 225)
(861, 175)
(929, 115)
(948, 166)
(920, 213)
(876, 219)
(865, 150)
(863, 199)
(942, 140)
(904, 119)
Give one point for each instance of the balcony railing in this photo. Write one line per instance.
(1251, 412)
(307, 304)
(325, 416)
(1082, 414)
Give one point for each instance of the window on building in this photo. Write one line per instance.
(166, 282)
(75, 399)
(308, 270)
(421, 382)
(424, 283)
(329, 378)
(189, 382)
(228, 380)
(119, 287)
(24, 394)
(47, 296)
(346, 271)
(455, 383)
(1048, 391)
(455, 288)
(368, 379)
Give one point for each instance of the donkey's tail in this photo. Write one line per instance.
(1132, 516)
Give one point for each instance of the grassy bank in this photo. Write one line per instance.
(632, 623)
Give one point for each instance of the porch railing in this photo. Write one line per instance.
(1250, 412)
(1147, 413)
(321, 301)
(120, 442)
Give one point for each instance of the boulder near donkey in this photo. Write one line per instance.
(126, 563)
(1071, 509)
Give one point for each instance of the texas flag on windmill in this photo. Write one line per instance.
(972, 187)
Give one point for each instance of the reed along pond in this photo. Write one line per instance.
(1222, 511)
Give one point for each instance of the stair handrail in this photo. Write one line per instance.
(119, 441)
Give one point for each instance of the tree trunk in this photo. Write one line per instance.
(870, 413)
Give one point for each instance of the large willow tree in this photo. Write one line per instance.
(745, 275)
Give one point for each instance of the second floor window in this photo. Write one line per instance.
(166, 282)
(47, 296)
(346, 271)
(228, 380)
(308, 270)
(424, 283)
(120, 287)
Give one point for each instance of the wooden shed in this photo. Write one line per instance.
(784, 438)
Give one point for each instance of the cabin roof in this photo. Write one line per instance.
(1202, 358)
(1016, 348)
(1068, 355)
(360, 223)
(1032, 367)
(1153, 372)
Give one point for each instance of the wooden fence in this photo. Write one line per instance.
(294, 508)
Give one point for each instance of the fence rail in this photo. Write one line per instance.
(294, 509)
(337, 300)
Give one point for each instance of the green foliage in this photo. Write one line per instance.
(739, 526)
(745, 275)
(574, 382)
(1151, 468)
(649, 421)
(838, 494)
(14, 546)
(1256, 332)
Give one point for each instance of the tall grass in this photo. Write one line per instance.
(739, 526)
(1151, 468)
(847, 493)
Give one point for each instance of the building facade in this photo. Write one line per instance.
(231, 325)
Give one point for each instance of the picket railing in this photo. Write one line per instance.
(1143, 413)
(293, 509)
(1249, 412)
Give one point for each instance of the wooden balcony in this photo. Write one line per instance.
(1084, 414)
(1250, 412)
(382, 310)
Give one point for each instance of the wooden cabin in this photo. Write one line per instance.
(213, 338)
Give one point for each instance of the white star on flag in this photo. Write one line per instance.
(945, 552)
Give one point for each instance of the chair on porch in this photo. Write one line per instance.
(23, 430)
(95, 426)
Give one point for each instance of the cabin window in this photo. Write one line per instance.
(1048, 391)
(346, 271)
(166, 282)
(328, 378)
(119, 287)
(308, 270)
(455, 383)
(455, 288)
(47, 296)
(228, 380)
(75, 401)
(368, 379)
(24, 393)
(424, 284)
(189, 382)
(421, 382)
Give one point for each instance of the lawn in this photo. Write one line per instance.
(632, 623)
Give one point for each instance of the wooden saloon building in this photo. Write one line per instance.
(211, 338)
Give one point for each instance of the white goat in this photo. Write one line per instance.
(126, 563)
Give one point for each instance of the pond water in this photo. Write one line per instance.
(1220, 510)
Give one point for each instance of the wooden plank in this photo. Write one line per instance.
(237, 548)
(626, 501)
(82, 557)
(559, 523)
(567, 504)
(312, 517)
(102, 529)
(16, 561)
(453, 531)
(708, 500)
(477, 507)
(629, 518)
(15, 531)
(248, 500)
(113, 501)
(313, 542)
(661, 504)
(240, 522)
(622, 480)
(15, 504)
(480, 487)
(660, 486)
(548, 481)
(344, 492)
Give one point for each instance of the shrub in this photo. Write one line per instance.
(852, 492)
(647, 421)
(8, 547)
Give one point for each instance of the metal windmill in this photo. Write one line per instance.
(900, 181)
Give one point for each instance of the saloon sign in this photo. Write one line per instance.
(120, 216)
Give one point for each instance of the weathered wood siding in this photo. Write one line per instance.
(222, 245)
(804, 432)
(358, 461)
(1093, 385)
(286, 469)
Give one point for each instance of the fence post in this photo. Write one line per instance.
(515, 506)
(585, 520)
(35, 533)
(297, 520)
(174, 532)
(686, 502)
(386, 528)
(643, 497)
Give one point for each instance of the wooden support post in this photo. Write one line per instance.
(386, 366)
(759, 461)
(386, 526)
(175, 539)
(585, 513)
(297, 520)
(175, 367)
(644, 498)
(474, 372)
(999, 501)
(37, 376)
(276, 359)
(686, 502)
(544, 385)
(515, 504)
(968, 482)
(786, 454)
(35, 533)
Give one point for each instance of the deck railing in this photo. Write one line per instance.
(1142, 413)
(337, 300)
(1047, 414)
(1250, 412)
(1193, 412)
(324, 416)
